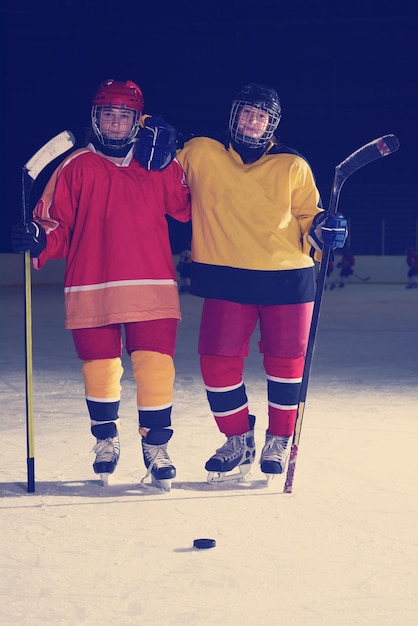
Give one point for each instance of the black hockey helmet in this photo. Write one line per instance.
(254, 96)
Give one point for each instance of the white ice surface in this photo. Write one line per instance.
(341, 550)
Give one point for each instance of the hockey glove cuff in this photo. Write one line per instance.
(156, 145)
(30, 237)
(328, 230)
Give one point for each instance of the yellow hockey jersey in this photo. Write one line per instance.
(250, 224)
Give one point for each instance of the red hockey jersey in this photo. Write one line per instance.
(109, 221)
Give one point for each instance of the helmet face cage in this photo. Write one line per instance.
(245, 114)
(99, 113)
(116, 112)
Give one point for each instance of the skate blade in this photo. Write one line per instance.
(104, 478)
(270, 478)
(223, 477)
(163, 484)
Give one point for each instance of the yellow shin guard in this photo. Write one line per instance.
(102, 379)
(154, 377)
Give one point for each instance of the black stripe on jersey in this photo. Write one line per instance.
(253, 286)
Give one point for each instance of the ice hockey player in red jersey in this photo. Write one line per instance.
(328, 280)
(184, 268)
(346, 266)
(106, 214)
(412, 262)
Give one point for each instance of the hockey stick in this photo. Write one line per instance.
(361, 277)
(45, 155)
(376, 149)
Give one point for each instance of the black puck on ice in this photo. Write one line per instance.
(204, 544)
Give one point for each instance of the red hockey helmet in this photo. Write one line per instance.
(118, 93)
(113, 94)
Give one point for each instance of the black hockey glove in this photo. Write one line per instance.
(30, 237)
(329, 230)
(156, 145)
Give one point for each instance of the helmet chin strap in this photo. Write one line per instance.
(111, 151)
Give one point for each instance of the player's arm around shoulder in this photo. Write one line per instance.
(155, 150)
(156, 145)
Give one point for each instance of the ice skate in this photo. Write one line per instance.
(107, 456)
(237, 452)
(274, 455)
(156, 459)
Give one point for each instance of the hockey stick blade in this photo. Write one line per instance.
(50, 151)
(361, 277)
(376, 149)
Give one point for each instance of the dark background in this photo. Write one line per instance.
(346, 73)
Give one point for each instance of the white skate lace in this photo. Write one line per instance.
(231, 448)
(155, 455)
(276, 448)
(107, 449)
